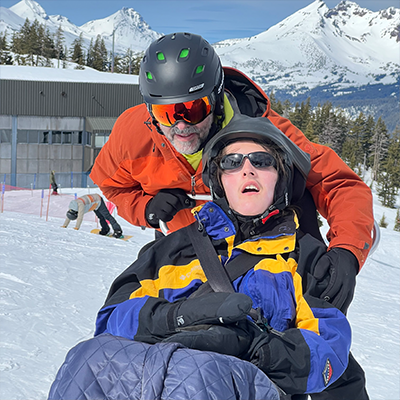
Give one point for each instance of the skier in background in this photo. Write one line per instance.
(92, 202)
(53, 182)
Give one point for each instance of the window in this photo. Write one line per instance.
(67, 137)
(44, 137)
(27, 136)
(100, 139)
(77, 137)
(56, 137)
(5, 135)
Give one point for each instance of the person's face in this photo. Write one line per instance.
(249, 190)
(187, 138)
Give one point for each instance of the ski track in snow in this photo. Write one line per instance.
(53, 281)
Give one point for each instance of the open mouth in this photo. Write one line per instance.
(250, 189)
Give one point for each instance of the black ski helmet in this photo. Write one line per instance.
(241, 127)
(180, 67)
(72, 214)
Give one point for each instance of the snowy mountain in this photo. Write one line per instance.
(347, 55)
(343, 55)
(347, 44)
(130, 28)
(53, 281)
(131, 31)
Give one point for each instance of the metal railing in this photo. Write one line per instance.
(42, 180)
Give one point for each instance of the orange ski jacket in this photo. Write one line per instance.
(137, 162)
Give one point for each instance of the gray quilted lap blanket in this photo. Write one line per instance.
(109, 367)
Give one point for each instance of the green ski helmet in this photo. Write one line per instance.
(290, 186)
(181, 67)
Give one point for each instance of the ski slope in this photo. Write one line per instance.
(53, 281)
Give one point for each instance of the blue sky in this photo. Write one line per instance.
(213, 19)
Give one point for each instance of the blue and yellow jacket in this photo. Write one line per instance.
(311, 348)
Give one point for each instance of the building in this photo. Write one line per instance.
(57, 119)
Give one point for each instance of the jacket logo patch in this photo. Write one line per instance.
(196, 88)
(180, 320)
(327, 372)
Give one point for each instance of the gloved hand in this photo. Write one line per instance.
(259, 353)
(233, 339)
(159, 318)
(337, 270)
(165, 204)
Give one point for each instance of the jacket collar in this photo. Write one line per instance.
(277, 235)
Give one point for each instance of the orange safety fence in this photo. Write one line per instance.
(40, 202)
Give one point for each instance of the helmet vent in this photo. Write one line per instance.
(184, 53)
(204, 52)
(149, 76)
(199, 69)
(160, 56)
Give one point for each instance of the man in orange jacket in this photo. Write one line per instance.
(153, 158)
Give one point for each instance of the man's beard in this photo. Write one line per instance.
(192, 146)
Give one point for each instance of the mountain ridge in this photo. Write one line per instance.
(333, 54)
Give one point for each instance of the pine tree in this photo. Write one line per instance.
(59, 45)
(89, 57)
(388, 178)
(275, 105)
(309, 131)
(352, 152)
(295, 116)
(322, 114)
(77, 55)
(397, 222)
(367, 140)
(331, 134)
(22, 38)
(35, 41)
(26, 42)
(305, 112)
(286, 108)
(5, 56)
(99, 54)
(382, 222)
(394, 156)
(137, 59)
(379, 146)
(48, 48)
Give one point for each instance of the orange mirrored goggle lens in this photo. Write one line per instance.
(191, 112)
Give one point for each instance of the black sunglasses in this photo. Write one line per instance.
(258, 159)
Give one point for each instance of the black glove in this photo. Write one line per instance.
(159, 318)
(233, 339)
(337, 270)
(259, 353)
(165, 204)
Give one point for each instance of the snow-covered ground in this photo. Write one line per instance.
(54, 280)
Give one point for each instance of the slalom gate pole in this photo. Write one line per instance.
(3, 189)
(41, 203)
(48, 203)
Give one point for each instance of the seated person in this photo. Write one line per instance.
(300, 342)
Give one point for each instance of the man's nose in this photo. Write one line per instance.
(181, 124)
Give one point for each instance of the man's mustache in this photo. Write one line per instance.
(186, 131)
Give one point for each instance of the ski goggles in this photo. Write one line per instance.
(192, 112)
(258, 159)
